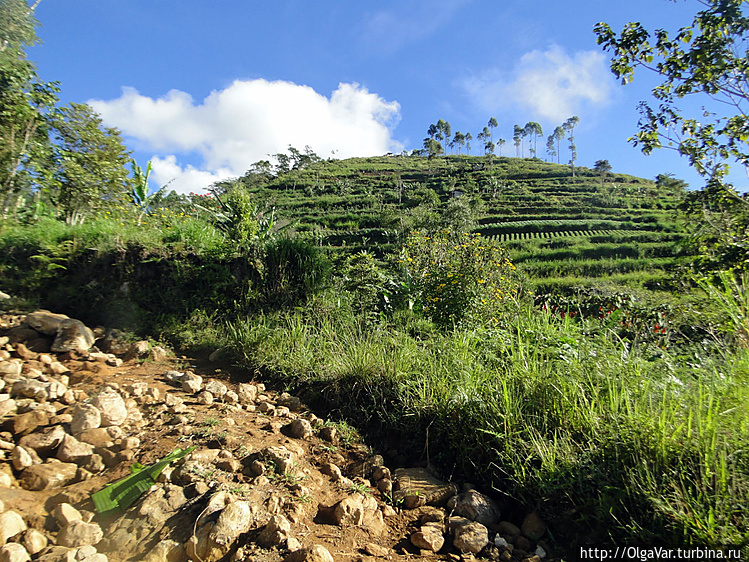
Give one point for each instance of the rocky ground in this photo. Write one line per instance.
(267, 480)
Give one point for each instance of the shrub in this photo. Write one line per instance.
(457, 279)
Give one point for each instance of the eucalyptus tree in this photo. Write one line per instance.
(517, 139)
(500, 144)
(459, 140)
(469, 138)
(556, 137)
(532, 130)
(569, 127)
(443, 132)
(551, 148)
(492, 124)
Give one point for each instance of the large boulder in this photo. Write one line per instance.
(45, 322)
(73, 335)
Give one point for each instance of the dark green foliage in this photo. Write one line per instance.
(293, 268)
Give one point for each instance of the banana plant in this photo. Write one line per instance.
(139, 195)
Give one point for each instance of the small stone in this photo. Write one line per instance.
(45, 476)
(205, 398)
(85, 416)
(14, 552)
(65, 514)
(299, 429)
(11, 524)
(79, 533)
(533, 526)
(191, 383)
(72, 450)
(275, 532)
(216, 388)
(316, 553)
(247, 393)
(472, 537)
(429, 537)
(21, 458)
(25, 423)
(112, 407)
(34, 541)
(475, 506)
(45, 441)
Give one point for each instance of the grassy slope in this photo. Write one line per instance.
(614, 436)
(562, 231)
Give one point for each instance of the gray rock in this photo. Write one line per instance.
(7, 407)
(34, 541)
(218, 389)
(72, 335)
(112, 408)
(30, 388)
(361, 511)
(11, 367)
(191, 383)
(299, 429)
(80, 533)
(46, 476)
(45, 322)
(85, 417)
(422, 485)
(14, 552)
(275, 532)
(472, 537)
(316, 553)
(429, 537)
(45, 441)
(475, 506)
(247, 393)
(11, 524)
(21, 458)
(205, 398)
(65, 514)
(72, 450)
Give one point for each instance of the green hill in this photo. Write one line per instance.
(562, 231)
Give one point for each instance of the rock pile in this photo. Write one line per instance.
(267, 480)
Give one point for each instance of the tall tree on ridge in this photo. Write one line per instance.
(557, 136)
(532, 130)
(500, 144)
(492, 124)
(569, 126)
(517, 139)
(469, 138)
(459, 140)
(443, 131)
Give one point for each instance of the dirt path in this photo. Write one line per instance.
(303, 488)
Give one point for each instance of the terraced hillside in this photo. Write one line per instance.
(561, 230)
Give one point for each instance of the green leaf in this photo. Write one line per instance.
(118, 496)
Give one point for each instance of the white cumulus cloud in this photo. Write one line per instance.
(247, 121)
(550, 84)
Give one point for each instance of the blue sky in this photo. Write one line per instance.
(205, 89)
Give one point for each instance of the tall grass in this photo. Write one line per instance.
(637, 444)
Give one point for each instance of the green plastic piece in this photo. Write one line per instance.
(118, 496)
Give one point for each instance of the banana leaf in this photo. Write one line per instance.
(118, 496)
